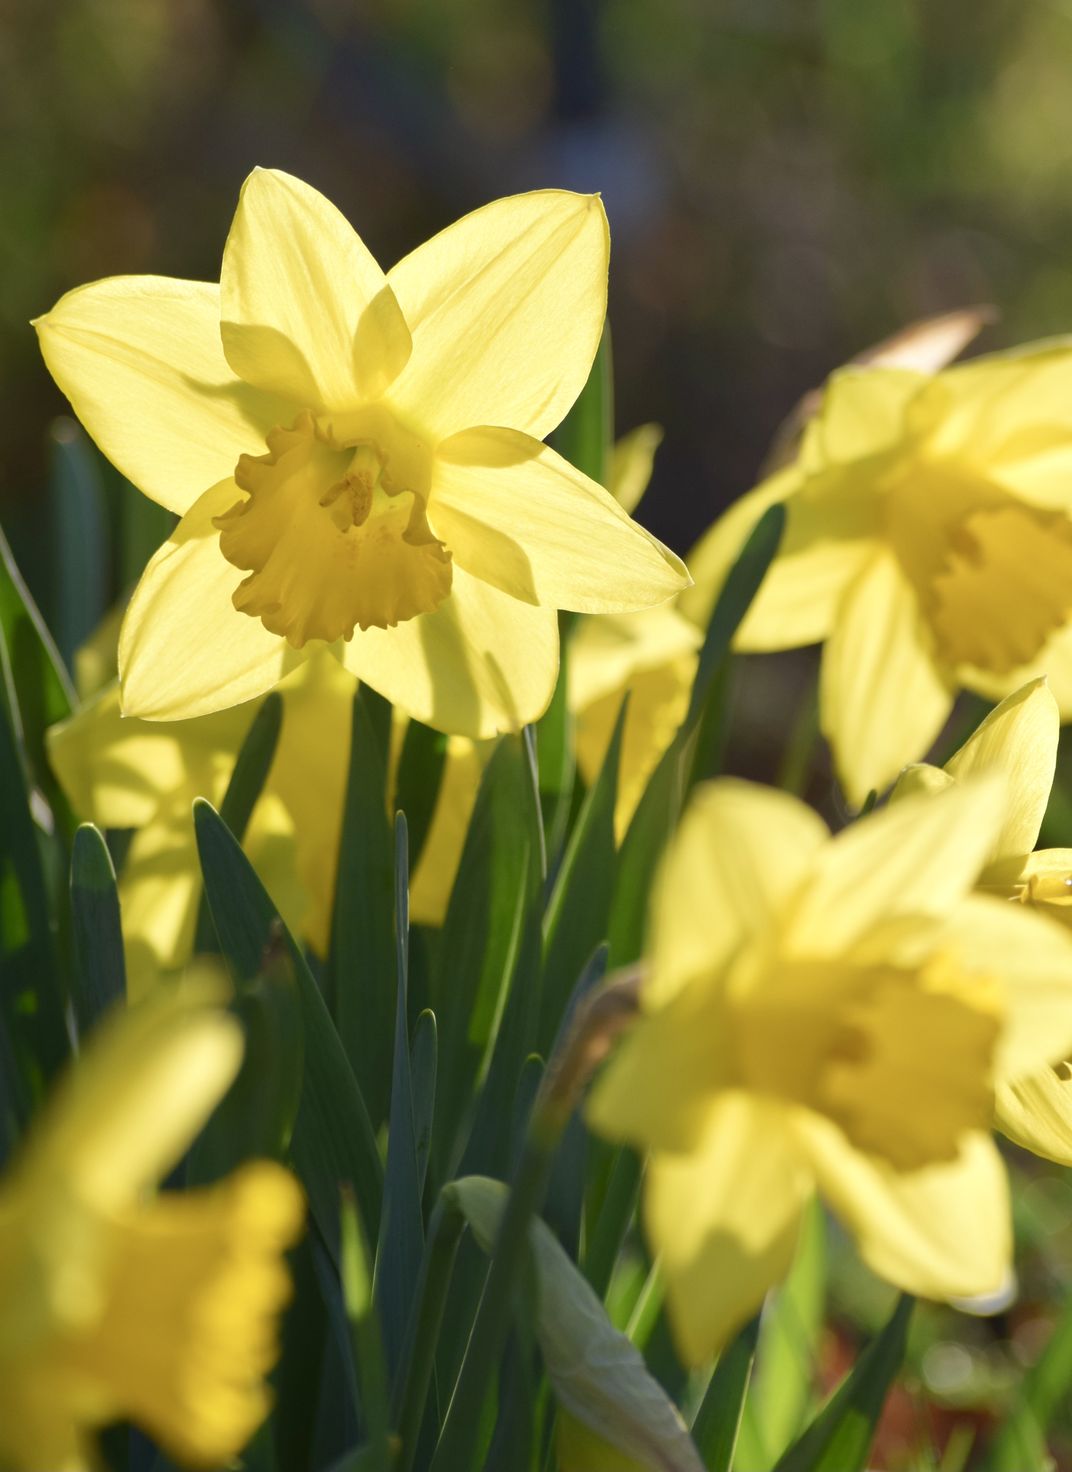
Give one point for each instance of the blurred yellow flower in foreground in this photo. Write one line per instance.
(928, 544)
(118, 1305)
(830, 1013)
(357, 457)
(1018, 740)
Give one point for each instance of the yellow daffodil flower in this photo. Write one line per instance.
(928, 546)
(116, 1304)
(830, 1013)
(1018, 740)
(357, 458)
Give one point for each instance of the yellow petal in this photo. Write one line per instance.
(717, 550)
(724, 1220)
(140, 359)
(433, 879)
(481, 663)
(882, 697)
(1008, 413)
(914, 858)
(307, 312)
(605, 653)
(1042, 880)
(185, 650)
(942, 1232)
(740, 853)
(920, 777)
(863, 413)
(1054, 663)
(506, 309)
(1036, 1112)
(159, 892)
(631, 463)
(1030, 955)
(520, 517)
(137, 1097)
(120, 772)
(1019, 740)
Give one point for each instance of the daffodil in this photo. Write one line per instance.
(118, 1304)
(357, 458)
(832, 1014)
(1018, 740)
(928, 546)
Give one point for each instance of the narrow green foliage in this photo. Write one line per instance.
(423, 1073)
(80, 538)
(840, 1437)
(362, 961)
(718, 1419)
(579, 907)
(365, 1327)
(1020, 1440)
(420, 772)
(99, 972)
(250, 772)
(332, 1141)
(610, 1214)
(401, 1239)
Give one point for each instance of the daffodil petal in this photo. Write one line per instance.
(724, 1220)
(738, 856)
(306, 311)
(185, 650)
(921, 777)
(605, 653)
(631, 463)
(159, 892)
(1010, 412)
(481, 663)
(518, 516)
(1019, 740)
(942, 1232)
(122, 1118)
(1054, 662)
(882, 697)
(1036, 1112)
(710, 560)
(916, 857)
(140, 359)
(862, 414)
(1031, 956)
(506, 309)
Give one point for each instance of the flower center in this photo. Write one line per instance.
(899, 1059)
(993, 574)
(333, 530)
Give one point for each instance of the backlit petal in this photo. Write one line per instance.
(738, 856)
(1018, 740)
(882, 697)
(1036, 1112)
(185, 650)
(724, 1220)
(916, 857)
(863, 414)
(506, 309)
(631, 464)
(140, 359)
(479, 664)
(520, 517)
(307, 312)
(942, 1232)
(717, 550)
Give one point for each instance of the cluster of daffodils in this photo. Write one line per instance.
(358, 465)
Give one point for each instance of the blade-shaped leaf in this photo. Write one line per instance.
(99, 972)
(718, 1418)
(80, 538)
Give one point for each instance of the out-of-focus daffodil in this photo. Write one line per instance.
(357, 458)
(928, 546)
(1019, 740)
(117, 1304)
(830, 1013)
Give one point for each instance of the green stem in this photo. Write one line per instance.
(418, 1360)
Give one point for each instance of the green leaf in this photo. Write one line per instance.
(250, 772)
(420, 774)
(401, 1241)
(657, 812)
(579, 908)
(368, 1346)
(609, 1214)
(99, 972)
(333, 1142)
(783, 1387)
(362, 960)
(718, 1418)
(596, 1374)
(480, 944)
(1020, 1441)
(80, 538)
(840, 1437)
(423, 1071)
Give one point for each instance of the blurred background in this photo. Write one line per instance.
(787, 180)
